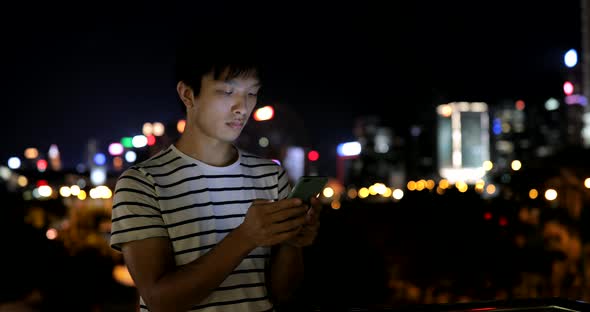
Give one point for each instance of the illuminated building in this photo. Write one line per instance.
(462, 140)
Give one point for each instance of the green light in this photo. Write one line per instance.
(127, 142)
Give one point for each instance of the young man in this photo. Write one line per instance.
(203, 225)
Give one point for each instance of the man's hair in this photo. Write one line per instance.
(215, 53)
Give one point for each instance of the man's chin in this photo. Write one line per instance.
(230, 138)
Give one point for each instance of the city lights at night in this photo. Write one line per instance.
(454, 139)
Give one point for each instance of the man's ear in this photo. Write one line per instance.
(186, 94)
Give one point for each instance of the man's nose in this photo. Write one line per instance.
(239, 106)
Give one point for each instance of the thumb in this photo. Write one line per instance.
(262, 201)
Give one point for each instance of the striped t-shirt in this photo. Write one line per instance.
(196, 205)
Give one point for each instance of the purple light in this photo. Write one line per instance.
(576, 99)
(116, 149)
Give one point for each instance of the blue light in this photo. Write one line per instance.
(349, 149)
(100, 159)
(497, 126)
(570, 58)
(14, 163)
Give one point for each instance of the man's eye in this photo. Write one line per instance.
(225, 92)
(253, 94)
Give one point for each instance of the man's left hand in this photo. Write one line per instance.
(309, 231)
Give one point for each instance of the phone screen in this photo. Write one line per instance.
(308, 186)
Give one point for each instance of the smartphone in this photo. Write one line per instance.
(307, 187)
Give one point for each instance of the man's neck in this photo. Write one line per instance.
(206, 149)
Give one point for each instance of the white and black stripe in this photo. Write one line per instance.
(195, 206)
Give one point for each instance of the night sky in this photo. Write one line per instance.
(101, 69)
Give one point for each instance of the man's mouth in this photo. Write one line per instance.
(236, 124)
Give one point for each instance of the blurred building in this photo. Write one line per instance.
(510, 137)
(553, 126)
(463, 143)
(574, 124)
(524, 132)
(380, 158)
(420, 150)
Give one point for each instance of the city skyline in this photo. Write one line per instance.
(66, 77)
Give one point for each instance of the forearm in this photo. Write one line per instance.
(189, 284)
(286, 271)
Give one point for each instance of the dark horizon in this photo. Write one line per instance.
(105, 71)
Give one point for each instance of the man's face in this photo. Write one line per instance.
(222, 108)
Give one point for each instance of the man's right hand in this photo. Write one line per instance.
(268, 223)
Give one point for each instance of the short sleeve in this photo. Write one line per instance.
(136, 213)
(284, 184)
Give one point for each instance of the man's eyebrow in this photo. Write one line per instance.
(233, 83)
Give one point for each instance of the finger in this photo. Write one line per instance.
(300, 241)
(313, 216)
(307, 236)
(309, 216)
(313, 227)
(287, 203)
(316, 204)
(294, 224)
(310, 219)
(260, 201)
(262, 204)
(283, 237)
(310, 229)
(282, 215)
